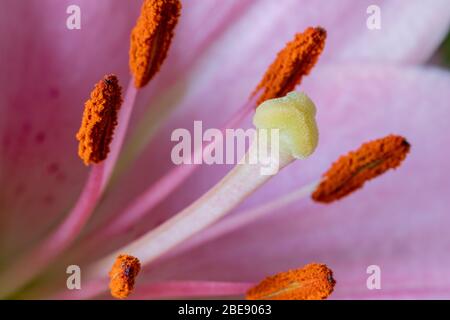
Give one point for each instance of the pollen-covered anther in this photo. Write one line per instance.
(351, 171)
(122, 276)
(312, 282)
(292, 118)
(293, 62)
(99, 120)
(151, 38)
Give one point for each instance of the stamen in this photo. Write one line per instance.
(236, 186)
(151, 38)
(123, 275)
(313, 282)
(99, 120)
(296, 60)
(351, 171)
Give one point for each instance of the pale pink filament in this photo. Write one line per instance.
(190, 289)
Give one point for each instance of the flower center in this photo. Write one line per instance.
(290, 115)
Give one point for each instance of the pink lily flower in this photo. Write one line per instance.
(367, 84)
